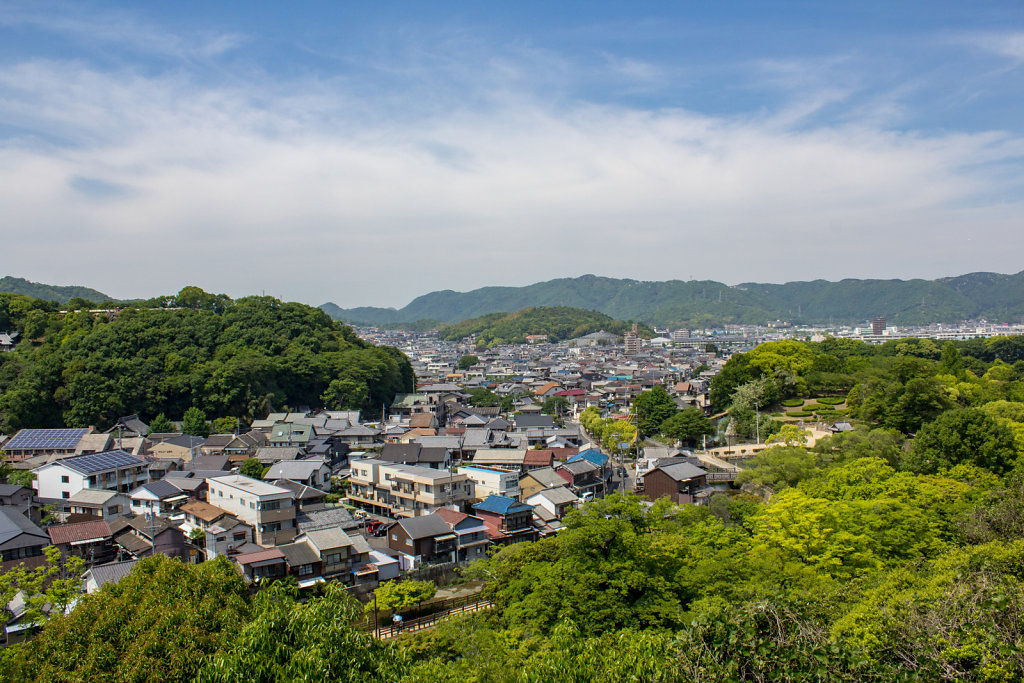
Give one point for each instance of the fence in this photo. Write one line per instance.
(455, 606)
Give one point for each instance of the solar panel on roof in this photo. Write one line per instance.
(97, 462)
(46, 439)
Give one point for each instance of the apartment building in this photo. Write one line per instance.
(268, 509)
(399, 490)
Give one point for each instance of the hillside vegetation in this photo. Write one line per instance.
(700, 303)
(557, 322)
(36, 290)
(237, 358)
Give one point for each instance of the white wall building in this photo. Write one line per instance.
(269, 509)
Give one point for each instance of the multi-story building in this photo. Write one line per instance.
(269, 509)
(400, 490)
(115, 470)
(492, 480)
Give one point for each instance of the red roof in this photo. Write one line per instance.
(450, 516)
(259, 556)
(540, 458)
(571, 392)
(64, 534)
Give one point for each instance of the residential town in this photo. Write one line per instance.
(487, 451)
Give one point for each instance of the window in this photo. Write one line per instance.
(408, 542)
(270, 505)
(334, 558)
(65, 494)
(64, 479)
(305, 570)
(394, 537)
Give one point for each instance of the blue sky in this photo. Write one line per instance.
(366, 153)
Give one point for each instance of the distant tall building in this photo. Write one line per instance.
(680, 335)
(632, 340)
(878, 327)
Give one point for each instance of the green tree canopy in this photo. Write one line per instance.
(653, 407)
(194, 423)
(962, 436)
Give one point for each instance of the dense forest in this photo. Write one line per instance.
(703, 303)
(238, 358)
(557, 322)
(894, 552)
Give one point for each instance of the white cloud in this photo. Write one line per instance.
(318, 190)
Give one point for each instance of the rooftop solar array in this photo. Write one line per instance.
(98, 462)
(45, 439)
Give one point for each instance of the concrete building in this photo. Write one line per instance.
(400, 490)
(269, 509)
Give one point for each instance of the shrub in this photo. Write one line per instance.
(792, 402)
(832, 400)
(799, 413)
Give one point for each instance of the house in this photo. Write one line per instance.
(112, 471)
(267, 564)
(340, 554)
(183, 447)
(682, 483)
(303, 562)
(311, 472)
(100, 575)
(92, 541)
(22, 499)
(21, 541)
(98, 503)
(306, 498)
(524, 422)
(398, 490)
(139, 537)
(427, 537)
(7, 341)
(226, 536)
(538, 480)
(583, 477)
(130, 426)
(556, 501)
(507, 520)
(511, 459)
(161, 498)
(32, 442)
(290, 434)
(269, 509)
(438, 458)
(472, 538)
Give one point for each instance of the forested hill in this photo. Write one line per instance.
(557, 322)
(238, 358)
(992, 296)
(36, 290)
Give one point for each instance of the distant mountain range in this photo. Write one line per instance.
(992, 296)
(36, 290)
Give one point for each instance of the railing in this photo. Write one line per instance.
(455, 606)
(722, 476)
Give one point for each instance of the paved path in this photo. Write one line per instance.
(431, 620)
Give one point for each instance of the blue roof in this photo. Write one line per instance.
(98, 462)
(591, 455)
(46, 439)
(501, 505)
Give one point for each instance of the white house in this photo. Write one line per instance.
(111, 471)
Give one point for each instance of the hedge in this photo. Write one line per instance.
(792, 402)
(799, 413)
(832, 400)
